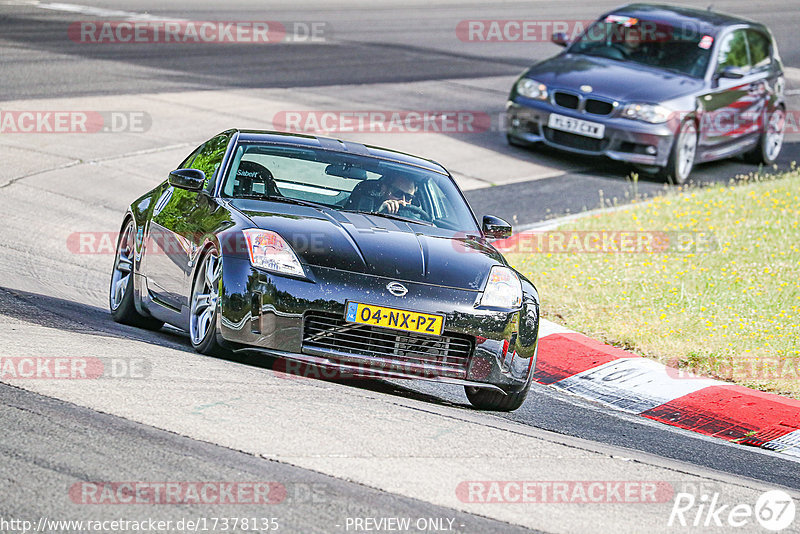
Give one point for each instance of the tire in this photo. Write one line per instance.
(770, 142)
(120, 293)
(487, 399)
(682, 155)
(204, 305)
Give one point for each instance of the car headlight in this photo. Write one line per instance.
(532, 89)
(651, 113)
(503, 289)
(270, 251)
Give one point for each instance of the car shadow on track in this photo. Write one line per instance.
(303, 372)
(62, 314)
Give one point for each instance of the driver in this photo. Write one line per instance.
(631, 39)
(399, 190)
(386, 195)
(634, 45)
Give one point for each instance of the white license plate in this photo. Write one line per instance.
(576, 126)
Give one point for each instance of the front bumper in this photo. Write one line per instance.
(268, 313)
(624, 139)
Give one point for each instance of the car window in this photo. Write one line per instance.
(760, 46)
(733, 51)
(210, 156)
(346, 182)
(186, 164)
(652, 43)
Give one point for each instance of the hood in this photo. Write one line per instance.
(377, 245)
(612, 79)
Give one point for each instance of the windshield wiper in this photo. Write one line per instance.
(390, 216)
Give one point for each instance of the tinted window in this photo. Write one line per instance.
(759, 49)
(346, 182)
(210, 156)
(188, 161)
(733, 51)
(651, 43)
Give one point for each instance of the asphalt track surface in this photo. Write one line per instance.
(48, 443)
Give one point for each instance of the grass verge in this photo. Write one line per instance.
(707, 280)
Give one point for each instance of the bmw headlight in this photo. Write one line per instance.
(503, 289)
(532, 89)
(270, 251)
(651, 113)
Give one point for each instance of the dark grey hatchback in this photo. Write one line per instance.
(661, 87)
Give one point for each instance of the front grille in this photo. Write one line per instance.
(570, 140)
(566, 100)
(385, 349)
(598, 107)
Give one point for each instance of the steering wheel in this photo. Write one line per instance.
(618, 51)
(409, 209)
(415, 211)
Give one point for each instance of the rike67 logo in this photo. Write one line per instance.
(774, 511)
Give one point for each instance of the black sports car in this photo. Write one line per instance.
(661, 87)
(333, 254)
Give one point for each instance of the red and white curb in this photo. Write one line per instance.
(572, 362)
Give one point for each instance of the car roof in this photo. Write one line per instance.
(705, 21)
(337, 145)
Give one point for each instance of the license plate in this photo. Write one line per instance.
(409, 321)
(577, 126)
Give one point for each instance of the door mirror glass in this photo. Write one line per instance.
(495, 227)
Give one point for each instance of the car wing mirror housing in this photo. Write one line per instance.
(733, 73)
(495, 227)
(560, 38)
(189, 179)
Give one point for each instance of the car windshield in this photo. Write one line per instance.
(655, 44)
(347, 182)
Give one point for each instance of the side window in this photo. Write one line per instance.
(188, 161)
(733, 51)
(442, 207)
(760, 46)
(210, 156)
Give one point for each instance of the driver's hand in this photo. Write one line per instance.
(392, 206)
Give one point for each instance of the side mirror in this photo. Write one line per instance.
(189, 179)
(495, 227)
(560, 38)
(733, 73)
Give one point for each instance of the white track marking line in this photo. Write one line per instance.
(634, 385)
(788, 444)
(548, 328)
(93, 11)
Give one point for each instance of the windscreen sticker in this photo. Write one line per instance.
(621, 19)
(706, 42)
